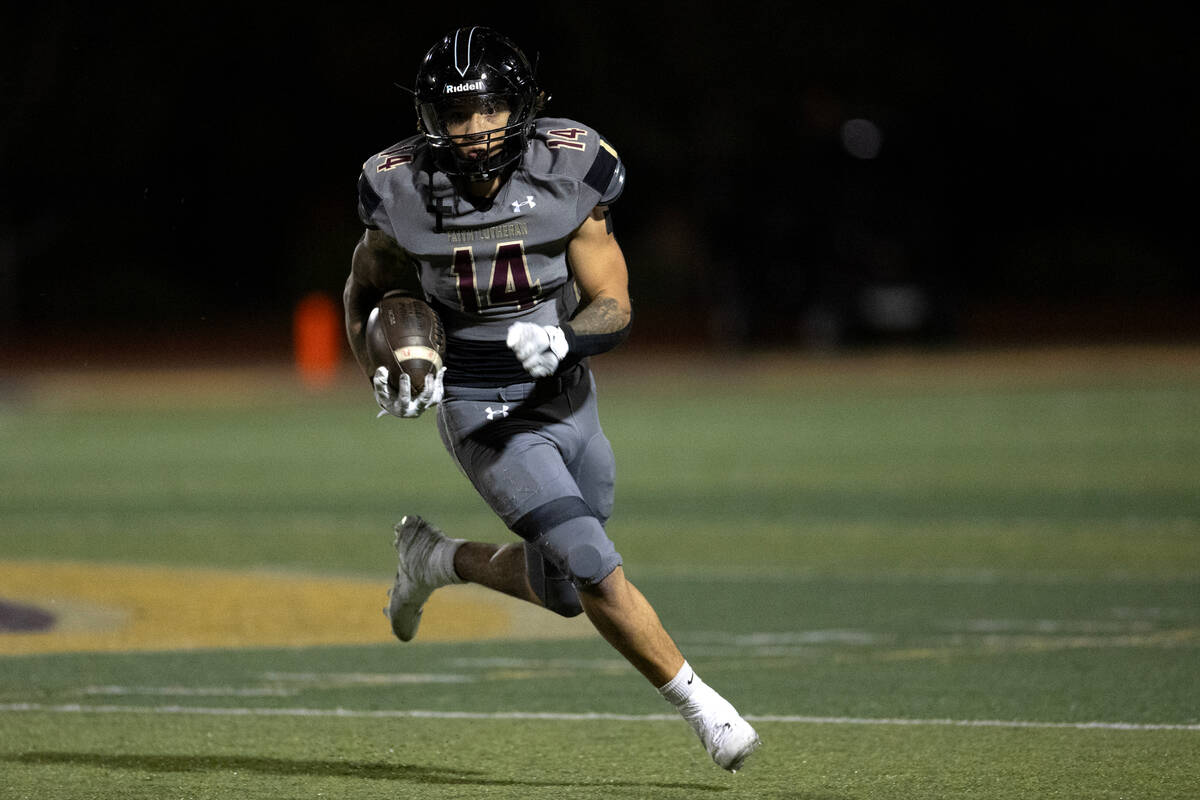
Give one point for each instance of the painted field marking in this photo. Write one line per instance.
(324, 680)
(187, 691)
(554, 716)
(1017, 637)
(98, 607)
(294, 683)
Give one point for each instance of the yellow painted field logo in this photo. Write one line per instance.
(55, 607)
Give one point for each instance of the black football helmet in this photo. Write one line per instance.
(476, 70)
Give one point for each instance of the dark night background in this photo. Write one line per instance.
(192, 170)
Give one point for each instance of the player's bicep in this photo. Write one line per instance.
(380, 246)
(598, 262)
(379, 265)
(381, 262)
(366, 270)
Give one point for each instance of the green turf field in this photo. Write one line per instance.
(952, 575)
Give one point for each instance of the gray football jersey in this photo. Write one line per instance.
(487, 265)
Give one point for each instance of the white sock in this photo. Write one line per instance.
(431, 557)
(694, 699)
(679, 689)
(441, 561)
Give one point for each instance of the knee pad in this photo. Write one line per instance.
(551, 585)
(581, 549)
(569, 536)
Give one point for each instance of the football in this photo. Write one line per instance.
(405, 335)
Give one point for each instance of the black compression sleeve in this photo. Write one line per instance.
(581, 345)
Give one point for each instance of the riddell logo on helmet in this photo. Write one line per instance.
(469, 86)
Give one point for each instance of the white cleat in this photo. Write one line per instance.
(416, 541)
(730, 743)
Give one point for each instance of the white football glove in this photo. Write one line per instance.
(401, 403)
(539, 348)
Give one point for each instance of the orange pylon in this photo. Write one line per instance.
(317, 333)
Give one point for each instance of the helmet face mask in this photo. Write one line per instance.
(475, 100)
(474, 135)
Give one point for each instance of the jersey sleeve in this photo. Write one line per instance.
(369, 204)
(606, 174)
(376, 187)
(571, 151)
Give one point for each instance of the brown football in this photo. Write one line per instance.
(405, 335)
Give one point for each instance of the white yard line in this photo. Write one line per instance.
(74, 708)
(187, 691)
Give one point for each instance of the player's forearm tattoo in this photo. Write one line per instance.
(602, 315)
(599, 327)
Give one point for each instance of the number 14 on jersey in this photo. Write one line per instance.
(507, 282)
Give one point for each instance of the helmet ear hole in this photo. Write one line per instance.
(465, 67)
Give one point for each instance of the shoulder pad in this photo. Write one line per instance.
(376, 181)
(401, 154)
(580, 152)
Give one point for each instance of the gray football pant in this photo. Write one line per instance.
(536, 454)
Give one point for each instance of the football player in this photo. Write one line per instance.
(500, 220)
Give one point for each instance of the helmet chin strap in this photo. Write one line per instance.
(487, 175)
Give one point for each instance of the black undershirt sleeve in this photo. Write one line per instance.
(582, 345)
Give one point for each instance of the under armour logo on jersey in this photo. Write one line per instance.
(493, 413)
(528, 201)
